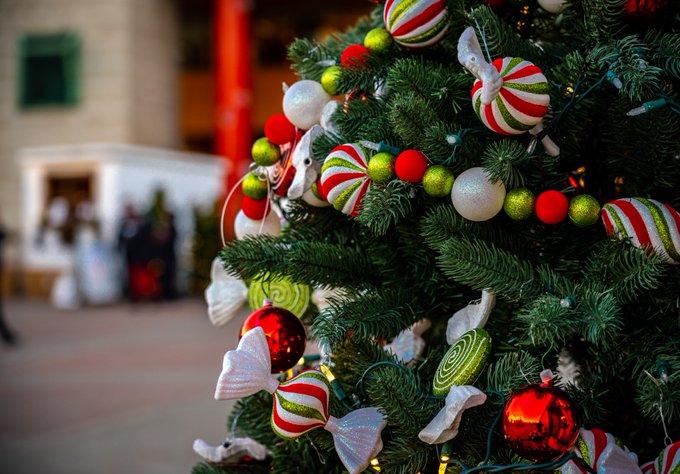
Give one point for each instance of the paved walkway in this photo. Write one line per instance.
(122, 389)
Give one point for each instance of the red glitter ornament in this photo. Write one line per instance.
(552, 207)
(285, 335)
(410, 166)
(255, 209)
(279, 130)
(540, 422)
(354, 56)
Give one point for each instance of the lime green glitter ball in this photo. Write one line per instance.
(519, 204)
(329, 79)
(584, 210)
(381, 167)
(265, 153)
(438, 181)
(377, 40)
(254, 187)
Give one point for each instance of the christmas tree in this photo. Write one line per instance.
(476, 193)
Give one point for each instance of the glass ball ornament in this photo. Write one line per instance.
(540, 422)
(264, 152)
(329, 79)
(303, 103)
(519, 204)
(438, 181)
(584, 210)
(244, 226)
(378, 40)
(475, 196)
(381, 167)
(284, 332)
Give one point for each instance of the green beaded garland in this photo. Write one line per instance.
(378, 40)
(463, 362)
(584, 210)
(329, 79)
(254, 187)
(438, 181)
(381, 167)
(265, 153)
(284, 293)
(519, 204)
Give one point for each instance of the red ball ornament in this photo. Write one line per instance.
(552, 207)
(255, 208)
(279, 130)
(645, 11)
(410, 166)
(354, 56)
(495, 3)
(285, 335)
(540, 422)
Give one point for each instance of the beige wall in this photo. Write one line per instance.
(128, 91)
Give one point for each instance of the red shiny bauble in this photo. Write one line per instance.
(255, 209)
(540, 422)
(410, 166)
(285, 335)
(495, 3)
(552, 207)
(279, 130)
(354, 56)
(645, 11)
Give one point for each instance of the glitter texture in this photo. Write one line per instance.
(519, 204)
(475, 197)
(584, 210)
(463, 362)
(303, 103)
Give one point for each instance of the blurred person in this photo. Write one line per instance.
(130, 247)
(163, 236)
(5, 333)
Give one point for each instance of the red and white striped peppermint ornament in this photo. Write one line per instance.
(344, 178)
(416, 23)
(301, 403)
(646, 223)
(522, 100)
(602, 452)
(668, 461)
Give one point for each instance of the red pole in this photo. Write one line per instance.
(233, 92)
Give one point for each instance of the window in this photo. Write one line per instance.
(48, 70)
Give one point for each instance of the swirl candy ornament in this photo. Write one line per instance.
(646, 223)
(301, 403)
(463, 362)
(344, 178)
(416, 23)
(522, 100)
(284, 293)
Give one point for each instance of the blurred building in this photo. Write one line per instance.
(90, 85)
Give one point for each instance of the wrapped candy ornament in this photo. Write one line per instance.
(646, 223)
(344, 178)
(444, 426)
(225, 295)
(232, 450)
(300, 403)
(416, 23)
(473, 316)
(668, 461)
(510, 95)
(601, 452)
(408, 346)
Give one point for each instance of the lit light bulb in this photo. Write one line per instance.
(375, 464)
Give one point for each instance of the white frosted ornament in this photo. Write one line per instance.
(303, 103)
(553, 6)
(244, 226)
(327, 122)
(475, 196)
(232, 450)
